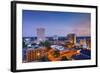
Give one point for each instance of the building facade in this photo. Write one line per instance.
(71, 38)
(35, 54)
(40, 34)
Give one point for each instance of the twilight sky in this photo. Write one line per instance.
(55, 23)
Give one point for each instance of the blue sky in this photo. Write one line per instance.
(55, 23)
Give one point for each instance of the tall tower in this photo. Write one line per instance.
(71, 38)
(40, 34)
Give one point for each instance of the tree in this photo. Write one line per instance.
(45, 58)
(64, 58)
(24, 45)
(56, 53)
(47, 44)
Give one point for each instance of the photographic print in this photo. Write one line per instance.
(47, 36)
(56, 36)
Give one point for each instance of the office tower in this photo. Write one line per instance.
(88, 41)
(71, 38)
(40, 34)
(55, 37)
(83, 43)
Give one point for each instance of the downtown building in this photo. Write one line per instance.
(40, 34)
(71, 38)
(33, 55)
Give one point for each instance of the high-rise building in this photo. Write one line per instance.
(83, 43)
(88, 41)
(71, 38)
(40, 34)
(55, 37)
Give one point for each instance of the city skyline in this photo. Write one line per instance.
(55, 23)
